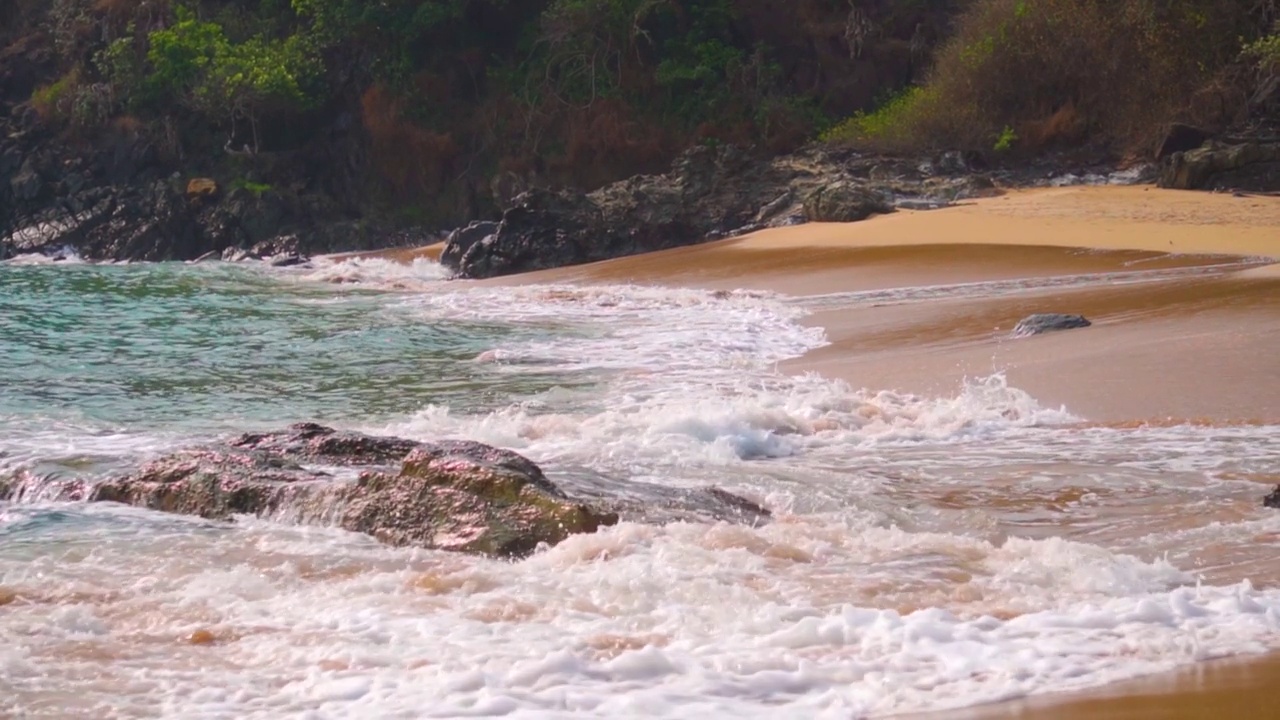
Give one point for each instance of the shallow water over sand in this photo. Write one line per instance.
(930, 550)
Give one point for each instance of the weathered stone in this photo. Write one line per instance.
(451, 495)
(457, 496)
(26, 184)
(544, 228)
(201, 189)
(1198, 169)
(1048, 322)
(844, 201)
(461, 240)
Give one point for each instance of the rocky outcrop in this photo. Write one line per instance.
(1246, 165)
(282, 251)
(844, 201)
(1272, 500)
(709, 193)
(1040, 323)
(451, 495)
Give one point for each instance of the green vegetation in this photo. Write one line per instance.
(193, 62)
(254, 188)
(1264, 53)
(458, 103)
(1033, 74)
(1006, 140)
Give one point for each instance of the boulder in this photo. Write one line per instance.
(844, 201)
(542, 229)
(279, 251)
(1048, 322)
(1215, 166)
(451, 495)
(201, 189)
(461, 240)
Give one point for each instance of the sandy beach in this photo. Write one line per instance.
(1193, 345)
(1192, 336)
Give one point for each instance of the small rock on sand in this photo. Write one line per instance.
(1048, 322)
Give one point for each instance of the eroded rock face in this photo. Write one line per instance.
(709, 193)
(450, 495)
(844, 201)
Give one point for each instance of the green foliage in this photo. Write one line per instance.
(1006, 139)
(401, 32)
(1060, 71)
(885, 123)
(52, 99)
(194, 62)
(256, 188)
(1264, 53)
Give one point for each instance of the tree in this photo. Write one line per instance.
(193, 62)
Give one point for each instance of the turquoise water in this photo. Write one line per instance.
(203, 350)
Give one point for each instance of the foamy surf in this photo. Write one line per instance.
(812, 617)
(926, 552)
(376, 272)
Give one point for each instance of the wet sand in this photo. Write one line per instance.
(1233, 688)
(1198, 346)
(1202, 345)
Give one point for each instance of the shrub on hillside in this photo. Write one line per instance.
(1024, 74)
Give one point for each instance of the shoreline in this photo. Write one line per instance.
(1193, 341)
(1054, 250)
(1194, 348)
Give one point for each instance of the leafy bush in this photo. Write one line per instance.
(1046, 71)
(1264, 53)
(193, 62)
(54, 100)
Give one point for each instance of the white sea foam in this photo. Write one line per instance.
(690, 376)
(810, 616)
(377, 272)
(872, 592)
(65, 256)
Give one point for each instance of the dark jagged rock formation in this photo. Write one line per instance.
(450, 495)
(1272, 500)
(708, 194)
(1048, 322)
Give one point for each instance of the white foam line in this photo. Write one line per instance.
(1004, 288)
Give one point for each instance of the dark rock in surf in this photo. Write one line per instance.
(458, 496)
(461, 240)
(1048, 322)
(1272, 500)
(450, 495)
(281, 251)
